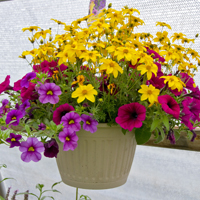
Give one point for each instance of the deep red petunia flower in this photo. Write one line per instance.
(169, 105)
(131, 116)
(61, 111)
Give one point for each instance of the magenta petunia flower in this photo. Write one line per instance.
(49, 93)
(169, 105)
(131, 116)
(71, 121)
(5, 84)
(195, 93)
(189, 81)
(185, 119)
(17, 85)
(61, 111)
(31, 149)
(69, 138)
(14, 115)
(27, 78)
(29, 93)
(89, 124)
(191, 111)
(155, 55)
(14, 140)
(44, 67)
(51, 148)
(157, 82)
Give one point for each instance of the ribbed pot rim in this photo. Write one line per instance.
(105, 125)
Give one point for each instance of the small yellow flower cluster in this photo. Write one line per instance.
(109, 46)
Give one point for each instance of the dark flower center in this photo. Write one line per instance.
(169, 104)
(63, 113)
(134, 115)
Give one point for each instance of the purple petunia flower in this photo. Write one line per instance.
(171, 137)
(61, 111)
(5, 107)
(49, 93)
(89, 124)
(26, 104)
(51, 148)
(31, 149)
(14, 140)
(169, 105)
(42, 127)
(69, 138)
(71, 121)
(25, 81)
(14, 115)
(131, 116)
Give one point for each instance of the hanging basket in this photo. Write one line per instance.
(102, 160)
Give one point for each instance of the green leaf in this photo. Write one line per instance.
(1, 198)
(46, 121)
(56, 183)
(27, 128)
(39, 186)
(124, 131)
(155, 124)
(53, 125)
(177, 134)
(6, 179)
(28, 194)
(166, 122)
(161, 136)
(46, 197)
(84, 197)
(142, 135)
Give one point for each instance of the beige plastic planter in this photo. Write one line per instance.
(102, 160)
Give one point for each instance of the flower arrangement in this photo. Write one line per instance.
(103, 73)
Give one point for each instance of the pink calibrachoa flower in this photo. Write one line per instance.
(31, 149)
(89, 124)
(61, 111)
(5, 84)
(169, 105)
(131, 116)
(69, 138)
(71, 121)
(14, 115)
(14, 140)
(49, 93)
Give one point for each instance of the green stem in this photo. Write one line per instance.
(76, 193)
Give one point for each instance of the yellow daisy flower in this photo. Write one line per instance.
(149, 69)
(150, 93)
(111, 67)
(84, 92)
(31, 28)
(80, 80)
(163, 24)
